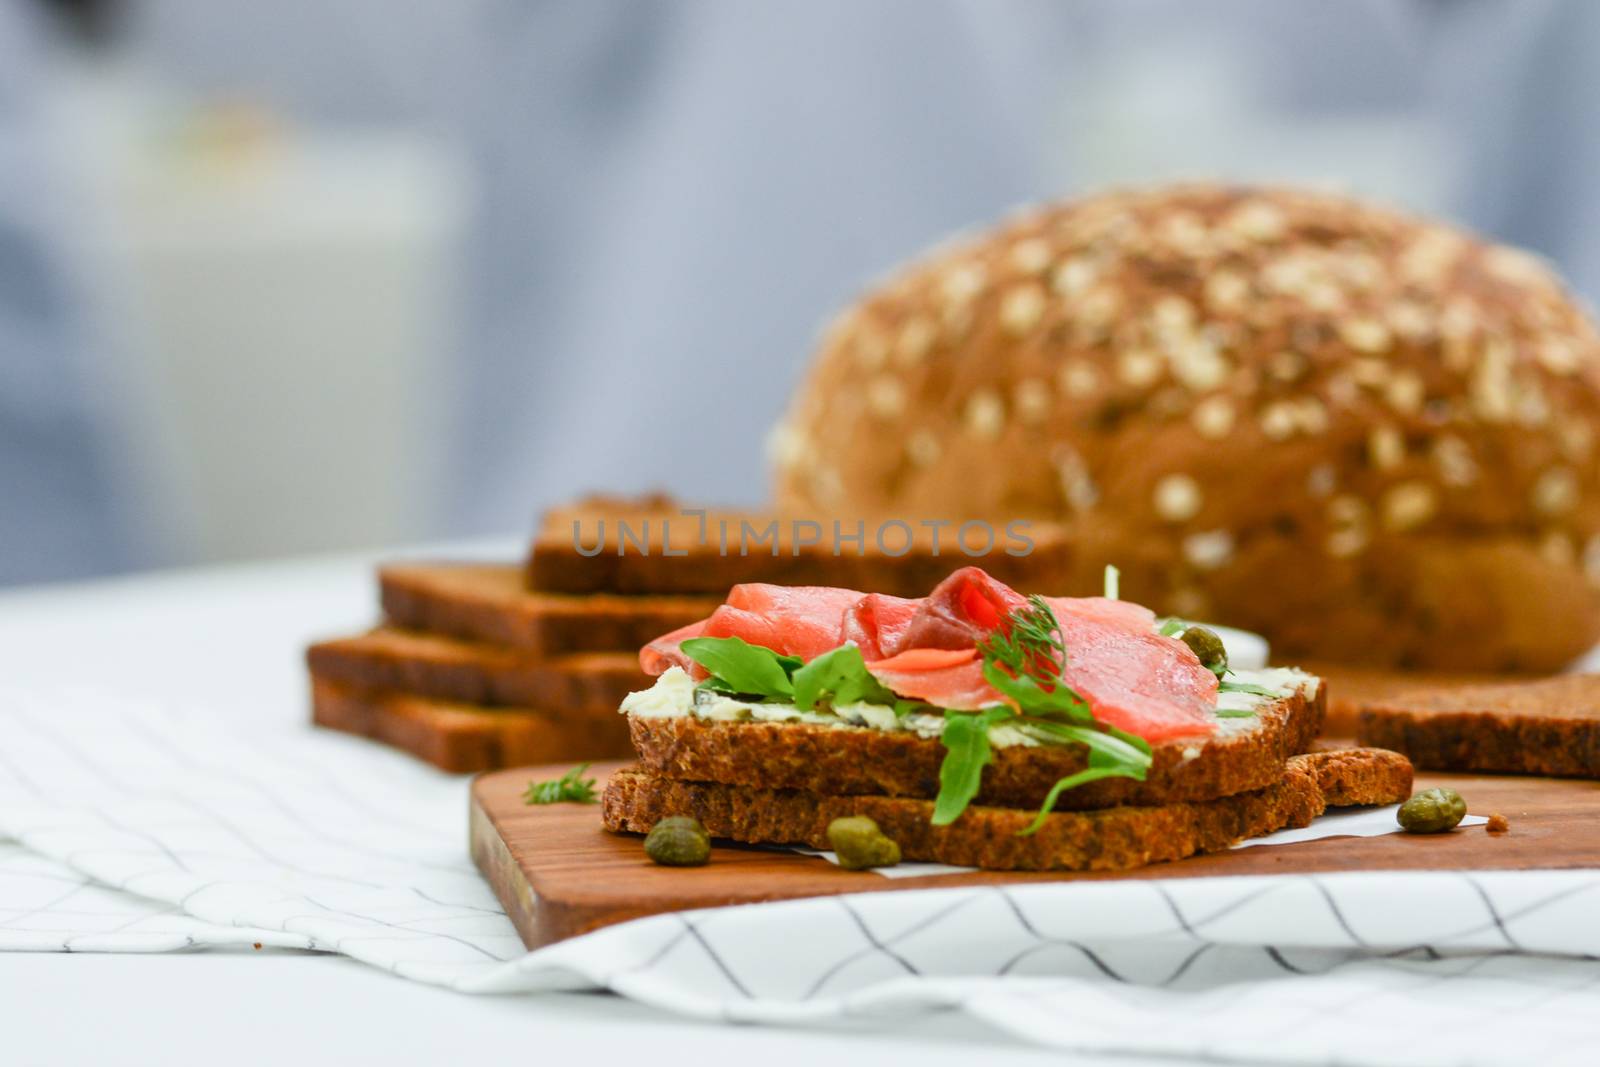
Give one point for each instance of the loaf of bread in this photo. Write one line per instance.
(1368, 436)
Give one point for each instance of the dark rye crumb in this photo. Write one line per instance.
(1111, 839)
(474, 672)
(490, 603)
(1549, 727)
(463, 738)
(827, 760)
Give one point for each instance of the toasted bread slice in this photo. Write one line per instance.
(476, 673)
(1105, 840)
(650, 546)
(1551, 726)
(489, 602)
(1244, 754)
(461, 737)
(1350, 688)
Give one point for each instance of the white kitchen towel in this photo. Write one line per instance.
(147, 829)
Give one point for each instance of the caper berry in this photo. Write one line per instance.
(1432, 811)
(678, 841)
(859, 844)
(1207, 646)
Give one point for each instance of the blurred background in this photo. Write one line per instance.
(316, 274)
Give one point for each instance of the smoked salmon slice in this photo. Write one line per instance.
(927, 649)
(794, 620)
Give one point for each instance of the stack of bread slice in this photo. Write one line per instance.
(784, 782)
(471, 670)
(481, 666)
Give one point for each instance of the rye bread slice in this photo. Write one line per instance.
(476, 673)
(852, 761)
(1550, 726)
(462, 738)
(1105, 840)
(648, 545)
(489, 602)
(1351, 688)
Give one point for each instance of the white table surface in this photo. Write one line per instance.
(231, 638)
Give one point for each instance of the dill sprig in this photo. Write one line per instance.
(1025, 660)
(1030, 642)
(570, 788)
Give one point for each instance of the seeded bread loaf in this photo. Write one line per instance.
(1368, 436)
(1105, 840)
(464, 738)
(489, 603)
(650, 546)
(473, 673)
(1246, 754)
(1548, 727)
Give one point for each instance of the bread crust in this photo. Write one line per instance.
(1343, 427)
(489, 603)
(861, 761)
(1104, 840)
(461, 738)
(1550, 727)
(430, 665)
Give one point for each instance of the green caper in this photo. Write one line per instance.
(1432, 811)
(1207, 646)
(859, 844)
(678, 841)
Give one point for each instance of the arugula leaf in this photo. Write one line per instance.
(966, 742)
(570, 788)
(1172, 627)
(1025, 661)
(1114, 743)
(841, 674)
(737, 666)
(1089, 774)
(1113, 753)
(1248, 687)
(1030, 696)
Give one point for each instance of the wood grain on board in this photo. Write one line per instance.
(559, 874)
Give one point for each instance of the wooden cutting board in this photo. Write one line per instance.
(559, 874)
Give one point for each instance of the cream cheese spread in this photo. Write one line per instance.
(674, 694)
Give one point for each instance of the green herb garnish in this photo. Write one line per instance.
(737, 666)
(1235, 713)
(842, 677)
(966, 741)
(836, 677)
(1226, 686)
(1113, 582)
(1024, 660)
(570, 788)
